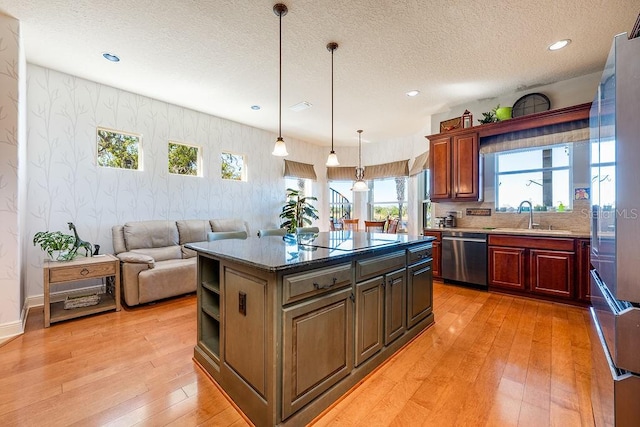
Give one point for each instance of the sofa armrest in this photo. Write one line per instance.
(135, 258)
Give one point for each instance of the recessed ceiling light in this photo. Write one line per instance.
(559, 44)
(413, 93)
(303, 105)
(111, 57)
(255, 107)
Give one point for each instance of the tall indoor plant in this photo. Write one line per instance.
(297, 212)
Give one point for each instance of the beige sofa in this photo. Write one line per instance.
(154, 262)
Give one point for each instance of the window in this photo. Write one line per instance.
(423, 186)
(118, 149)
(184, 159)
(541, 175)
(603, 174)
(389, 200)
(233, 167)
(340, 200)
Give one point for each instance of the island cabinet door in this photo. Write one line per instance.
(369, 318)
(506, 268)
(419, 292)
(317, 348)
(552, 273)
(395, 317)
(245, 335)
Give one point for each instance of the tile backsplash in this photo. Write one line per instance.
(575, 220)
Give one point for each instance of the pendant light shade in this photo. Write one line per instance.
(280, 149)
(332, 160)
(360, 184)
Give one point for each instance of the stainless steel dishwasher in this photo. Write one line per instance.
(464, 257)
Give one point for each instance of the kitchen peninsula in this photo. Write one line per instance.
(288, 325)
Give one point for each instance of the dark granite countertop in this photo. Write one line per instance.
(275, 253)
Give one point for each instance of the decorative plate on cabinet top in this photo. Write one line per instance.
(529, 104)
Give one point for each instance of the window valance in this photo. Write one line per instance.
(569, 132)
(385, 170)
(299, 170)
(419, 164)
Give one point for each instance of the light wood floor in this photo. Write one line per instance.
(490, 359)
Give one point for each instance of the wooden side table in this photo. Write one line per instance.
(81, 268)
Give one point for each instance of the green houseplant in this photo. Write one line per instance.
(297, 211)
(57, 245)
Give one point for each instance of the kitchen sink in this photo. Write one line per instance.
(533, 231)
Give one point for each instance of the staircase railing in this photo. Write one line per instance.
(340, 206)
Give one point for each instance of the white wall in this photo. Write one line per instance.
(11, 298)
(562, 94)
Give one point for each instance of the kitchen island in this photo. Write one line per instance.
(288, 325)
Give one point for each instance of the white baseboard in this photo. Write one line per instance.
(12, 329)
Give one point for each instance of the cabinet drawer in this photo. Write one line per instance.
(80, 272)
(303, 285)
(377, 266)
(418, 253)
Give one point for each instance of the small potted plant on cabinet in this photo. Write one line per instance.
(59, 246)
(297, 212)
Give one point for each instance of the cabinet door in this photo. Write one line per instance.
(395, 319)
(369, 318)
(506, 268)
(440, 163)
(317, 348)
(466, 167)
(245, 335)
(436, 264)
(551, 273)
(419, 292)
(583, 265)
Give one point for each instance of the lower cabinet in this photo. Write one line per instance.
(436, 263)
(532, 265)
(395, 302)
(419, 292)
(369, 318)
(314, 359)
(583, 264)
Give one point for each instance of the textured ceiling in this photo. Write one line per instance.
(221, 57)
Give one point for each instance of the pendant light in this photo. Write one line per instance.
(360, 185)
(332, 160)
(280, 149)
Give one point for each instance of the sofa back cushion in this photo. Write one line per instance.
(229, 224)
(150, 234)
(193, 230)
(161, 254)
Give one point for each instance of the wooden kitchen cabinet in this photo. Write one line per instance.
(436, 263)
(395, 302)
(532, 265)
(419, 292)
(455, 167)
(583, 266)
(369, 318)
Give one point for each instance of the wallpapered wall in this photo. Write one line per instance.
(66, 185)
(10, 301)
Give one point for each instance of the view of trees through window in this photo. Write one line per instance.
(118, 149)
(233, 167)
(541, 176)
(183, 159)
(389, 200)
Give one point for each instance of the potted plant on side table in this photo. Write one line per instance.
(59, 246)
(297, 212)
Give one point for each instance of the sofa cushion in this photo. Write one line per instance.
(161, 254)
(188, 253)
(150, 234)
(193, 230)
(167, 279)
(229, 224)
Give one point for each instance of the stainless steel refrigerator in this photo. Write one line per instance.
(615, 238)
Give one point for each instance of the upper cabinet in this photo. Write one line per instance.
(454, 164)
(454, 158)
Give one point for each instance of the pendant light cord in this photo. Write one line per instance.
(280, 84)
(332, 50)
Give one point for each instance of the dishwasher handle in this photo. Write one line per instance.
(465, 239)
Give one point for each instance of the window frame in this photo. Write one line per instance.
(243, 170)
(199, 161)
(139, 150)
(405, 202)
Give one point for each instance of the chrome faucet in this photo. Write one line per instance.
(530, 212)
